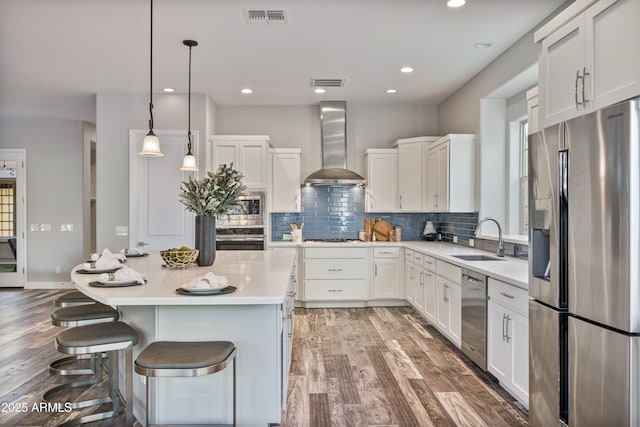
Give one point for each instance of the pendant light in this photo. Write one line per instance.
(151, 144)
(189, 162)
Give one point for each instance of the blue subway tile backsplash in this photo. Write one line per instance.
(338, 213)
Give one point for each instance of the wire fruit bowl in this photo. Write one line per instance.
(179, 258)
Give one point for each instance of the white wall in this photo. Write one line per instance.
(54, 192)
(116, 114)
(368, 126)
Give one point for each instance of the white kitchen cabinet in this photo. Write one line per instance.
(410, 276)
(248, 154)
(382, 180)
(285, 179)
(411, 171)
(418, 288)
(449, 301)
(450, 175)
(387, 273)
(508, 338)
(429, 291)
(335, 274)
(588, 62)
(532, 111)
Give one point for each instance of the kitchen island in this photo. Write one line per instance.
(257, 317)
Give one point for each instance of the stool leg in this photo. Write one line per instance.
(114, 382)
(235, 361)
(128, 388)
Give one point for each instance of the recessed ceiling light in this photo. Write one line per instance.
(391, 91)
(319, 90)
(406, 70)
(482, 45)
(168, 90)
(456, 3)
(246, 91)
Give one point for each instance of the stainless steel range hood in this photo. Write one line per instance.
(333, 120)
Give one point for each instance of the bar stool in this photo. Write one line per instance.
(186, 359)
(80, 315)
(72, 298)
(113, 338)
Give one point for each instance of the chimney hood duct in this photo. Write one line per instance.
(333, 120)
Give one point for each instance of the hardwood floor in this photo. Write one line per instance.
(350, 367)
(386, 366)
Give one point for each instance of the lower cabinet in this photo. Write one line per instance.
(333, 274)
(430, 295)
(410, 276)
(387, 273)
(508, 338)
(449, 309)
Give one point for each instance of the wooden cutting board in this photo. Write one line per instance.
(382, 229)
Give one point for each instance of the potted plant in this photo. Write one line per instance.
(211, 197)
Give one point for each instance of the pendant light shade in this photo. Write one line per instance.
(151, 144)
(189, 163)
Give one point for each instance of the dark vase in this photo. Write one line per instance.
(206, 239)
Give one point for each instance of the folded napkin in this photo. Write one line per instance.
(208, 281)
(103, 264)
(131, 251)
(107, 254)
(125, 273)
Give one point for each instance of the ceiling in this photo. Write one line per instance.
(56, 54)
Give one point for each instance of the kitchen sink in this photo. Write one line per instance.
(477, 257)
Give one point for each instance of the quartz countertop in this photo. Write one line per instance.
(514, 271)
(261, 277)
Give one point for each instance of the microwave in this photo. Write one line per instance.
(250, 213)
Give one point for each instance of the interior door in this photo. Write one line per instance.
(157, 220)
(12, 218)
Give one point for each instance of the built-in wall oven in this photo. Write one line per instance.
(243, 228)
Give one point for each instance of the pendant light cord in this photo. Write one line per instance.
(151, 70)
(189, 107)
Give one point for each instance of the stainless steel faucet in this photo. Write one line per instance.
(500, 251)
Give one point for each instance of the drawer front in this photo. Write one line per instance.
(408, 255)
(509, 295)
(386, 252)
(449, 271)
(321, 268)
(330, 290)
(429, 263)
(417, 258)
(335, 252)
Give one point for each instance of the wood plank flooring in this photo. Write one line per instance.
(350, 367)
(386, 366)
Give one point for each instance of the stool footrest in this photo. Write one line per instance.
(88, 418)
(76, 384)
(55, 367)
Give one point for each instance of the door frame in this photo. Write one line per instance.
(20, 277)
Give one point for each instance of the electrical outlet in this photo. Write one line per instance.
(45, 227)
(58, 269)
(455, 239)
(472, 243)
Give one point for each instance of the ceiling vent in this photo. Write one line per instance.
(327, 82)
(264, 16)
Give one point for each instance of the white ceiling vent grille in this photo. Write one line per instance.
(327, 82)
(265, 16)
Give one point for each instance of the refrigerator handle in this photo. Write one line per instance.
(563, 226)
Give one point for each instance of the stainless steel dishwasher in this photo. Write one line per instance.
(474, 317)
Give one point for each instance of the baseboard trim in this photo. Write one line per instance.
(49, 285)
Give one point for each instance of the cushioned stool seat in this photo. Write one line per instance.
(111, 337)
(186, 359)
(79, 315)
(72, 298)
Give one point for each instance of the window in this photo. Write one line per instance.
(524, 173)
(7, 204)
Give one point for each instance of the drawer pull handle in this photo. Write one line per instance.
(335, 290)
(504, 294)
(334, 269)
(385, 252)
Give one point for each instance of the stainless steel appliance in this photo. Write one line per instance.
(243, 228)
(474, 317)
(584, 275)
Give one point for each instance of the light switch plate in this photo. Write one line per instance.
(66, 227)
(122, 230)
(45, 227)
(35, 227)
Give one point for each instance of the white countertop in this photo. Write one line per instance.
(261, 277)
(514, 271)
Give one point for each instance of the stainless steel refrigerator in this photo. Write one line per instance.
(584, 270)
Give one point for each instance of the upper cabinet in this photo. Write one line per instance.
(285, 179)
(589, 61)
(382, 180)
(450, 167)
(532, 111)
(411, 172)
(248, 154)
